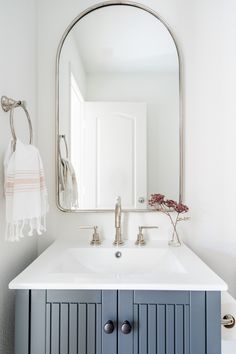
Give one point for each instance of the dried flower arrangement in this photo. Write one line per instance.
(168, 206)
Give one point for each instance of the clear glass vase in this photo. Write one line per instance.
(175, 241)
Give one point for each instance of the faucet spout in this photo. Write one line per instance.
(118, 237)
(118, 212)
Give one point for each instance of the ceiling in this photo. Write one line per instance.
(124, 39)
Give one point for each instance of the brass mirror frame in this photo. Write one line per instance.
(181, 119)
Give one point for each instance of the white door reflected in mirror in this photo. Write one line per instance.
(114, 154)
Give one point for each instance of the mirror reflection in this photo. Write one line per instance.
(118, 111)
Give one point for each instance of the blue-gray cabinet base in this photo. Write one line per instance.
(72, 321)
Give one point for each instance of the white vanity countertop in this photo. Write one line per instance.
(155, 266)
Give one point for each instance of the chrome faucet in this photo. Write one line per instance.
(118, 238)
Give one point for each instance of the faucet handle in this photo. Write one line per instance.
(140, 237)
(96, 237)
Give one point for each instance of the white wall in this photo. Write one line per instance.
(210, 77)
(205, 31)
(17, 80)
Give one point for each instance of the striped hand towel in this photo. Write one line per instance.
(25, 191)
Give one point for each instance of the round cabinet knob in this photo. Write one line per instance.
(126, 327)
(108, 327)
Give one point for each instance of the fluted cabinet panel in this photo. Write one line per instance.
(161, 329)
(73, 328)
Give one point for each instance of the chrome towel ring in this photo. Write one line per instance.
(8, 104)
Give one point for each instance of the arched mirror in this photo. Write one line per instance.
(119, 124)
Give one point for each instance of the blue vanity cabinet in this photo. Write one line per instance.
(137, 322)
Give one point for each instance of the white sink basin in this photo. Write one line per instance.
(155, 266)
(133, 261)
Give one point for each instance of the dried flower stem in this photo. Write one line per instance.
(166, 206)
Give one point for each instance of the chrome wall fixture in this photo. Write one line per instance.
(8, 104)
(181, 120)
(228, 321)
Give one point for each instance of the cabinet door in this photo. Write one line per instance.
(169, 322)
(162, 321)
(71, 322)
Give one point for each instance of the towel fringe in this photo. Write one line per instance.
(14, 232)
